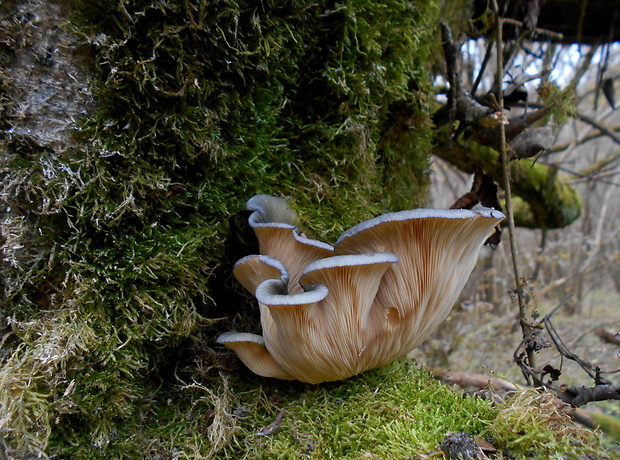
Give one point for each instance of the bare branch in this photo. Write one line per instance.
(516, 125)
(526, 329)
(451, 52)
(593, 371)
(485, 62)
(537, 34)
(581, 395)
(533, 342)
(602, 128)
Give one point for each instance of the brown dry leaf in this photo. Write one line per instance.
(483, 191)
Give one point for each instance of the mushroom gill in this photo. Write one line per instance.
(328, 313)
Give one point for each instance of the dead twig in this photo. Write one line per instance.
(593, 371)
(537, 33)
(575, 395)
(580, 395)
(470, 379)
(487, 56)
(272, 427)
(607, 335)
(533, 342)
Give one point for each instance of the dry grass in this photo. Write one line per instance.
(537, 422)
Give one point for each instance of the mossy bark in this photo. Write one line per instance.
(543, 199)
(118, 237)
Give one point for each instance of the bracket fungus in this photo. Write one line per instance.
(330, 312)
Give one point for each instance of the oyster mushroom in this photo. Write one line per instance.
(437, 251)
(328, 313)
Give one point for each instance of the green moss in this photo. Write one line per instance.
(543, 198)
(609, 424)
(290, 98)
(394, 412)
(561, 102)
(537, 423)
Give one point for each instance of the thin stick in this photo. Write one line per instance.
(485, 61)
(525, 327)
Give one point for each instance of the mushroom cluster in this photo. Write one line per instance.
(330, 312)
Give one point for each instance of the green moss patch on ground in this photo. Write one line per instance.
(394, 412)
(537, 423)
(398, 411)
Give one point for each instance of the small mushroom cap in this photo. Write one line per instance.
(271, 209)
(252, 270)
(278, 237)
(252, 351)
(275, 293)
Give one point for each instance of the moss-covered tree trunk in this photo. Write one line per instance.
(115, 223)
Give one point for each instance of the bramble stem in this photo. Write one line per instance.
(514, 250)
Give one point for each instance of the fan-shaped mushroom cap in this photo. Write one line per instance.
(252, 270)
(279, 238)
(437, 250)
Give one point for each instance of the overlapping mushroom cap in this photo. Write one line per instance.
(330, 312)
